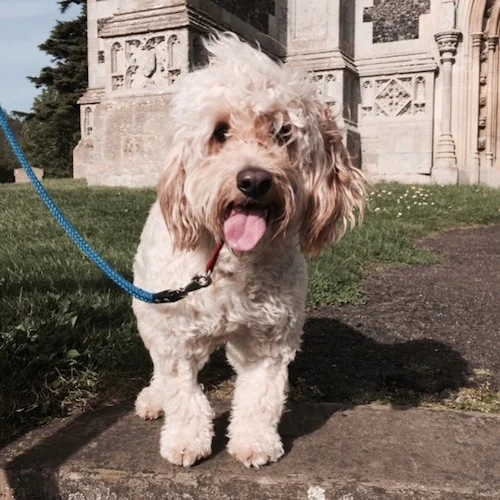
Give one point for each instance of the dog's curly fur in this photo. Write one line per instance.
(241, 110)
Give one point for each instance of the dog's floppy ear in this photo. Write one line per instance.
(175, 207)
(336, 190)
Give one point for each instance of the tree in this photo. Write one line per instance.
(8, 161)
(52, 129)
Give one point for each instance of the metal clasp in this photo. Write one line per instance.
(169, 296)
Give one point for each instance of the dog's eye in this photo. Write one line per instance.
(220, 132)
(284, 133)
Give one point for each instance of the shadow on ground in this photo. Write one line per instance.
(337, 363)
(35, 469)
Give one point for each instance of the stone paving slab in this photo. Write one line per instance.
(333, 453)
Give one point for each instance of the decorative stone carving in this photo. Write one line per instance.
(325, 82)
(101, 23)
(393, 97)
(487, 101)
(117, 82)
(88, 120)
(420, 89)
(117, 60)
(447, 44)
(145, 62)
(174, 59)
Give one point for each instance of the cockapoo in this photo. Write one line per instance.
(255, 162)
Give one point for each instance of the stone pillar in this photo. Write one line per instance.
(492, 100)
(445, 169)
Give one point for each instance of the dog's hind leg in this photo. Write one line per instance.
(149, 402)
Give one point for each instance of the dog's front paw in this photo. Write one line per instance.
(255, 451)
(179, 448)
(148, 404)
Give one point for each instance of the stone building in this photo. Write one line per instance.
(415, 81)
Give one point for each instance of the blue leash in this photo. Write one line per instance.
(199, 281)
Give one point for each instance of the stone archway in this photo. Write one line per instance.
(491, 71)
(477, 84)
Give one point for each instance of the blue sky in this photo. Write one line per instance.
(24, 24)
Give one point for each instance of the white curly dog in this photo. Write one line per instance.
(256, 162)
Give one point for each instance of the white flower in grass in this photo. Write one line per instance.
(377, 209)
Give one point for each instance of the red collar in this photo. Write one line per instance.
(213, 258)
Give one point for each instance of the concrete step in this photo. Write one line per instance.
(333, 453)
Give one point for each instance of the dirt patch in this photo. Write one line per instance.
(423, 333)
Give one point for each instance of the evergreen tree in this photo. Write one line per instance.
(52, 129)
(8, 161)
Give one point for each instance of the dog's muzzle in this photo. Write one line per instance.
(246, 223)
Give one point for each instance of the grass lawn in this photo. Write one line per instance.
(67, 335)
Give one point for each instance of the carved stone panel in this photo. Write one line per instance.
(146, 62)
(328, 89)
(87, 120)
(393, 97)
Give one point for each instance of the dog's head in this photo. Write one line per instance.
(255, 156)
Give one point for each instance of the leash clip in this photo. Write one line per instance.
(169, 296)
(199, 281)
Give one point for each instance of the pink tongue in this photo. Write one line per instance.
(244, 228)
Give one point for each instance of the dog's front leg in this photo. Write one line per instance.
(188, 430)
(259, 398)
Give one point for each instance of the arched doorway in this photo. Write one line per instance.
(477, 83)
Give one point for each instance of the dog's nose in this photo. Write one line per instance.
(254, 181)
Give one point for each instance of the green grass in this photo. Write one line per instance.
(67, 335)
(389, 233)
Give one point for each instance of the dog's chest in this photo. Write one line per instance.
(260, 303)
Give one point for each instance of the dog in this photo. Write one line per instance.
(256, 162)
